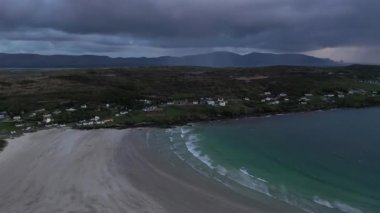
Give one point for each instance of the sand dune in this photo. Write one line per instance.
(73, 171)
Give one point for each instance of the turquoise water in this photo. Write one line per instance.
(319, 161)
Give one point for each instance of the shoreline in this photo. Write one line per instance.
(184, 123)
(218, 119)
(227, 119)
(61, 170)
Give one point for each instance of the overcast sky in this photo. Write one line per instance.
(346, 30)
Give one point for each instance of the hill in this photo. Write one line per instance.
(215, 59)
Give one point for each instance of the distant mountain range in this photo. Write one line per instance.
(215, 59)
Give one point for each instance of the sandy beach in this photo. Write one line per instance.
(64, 170)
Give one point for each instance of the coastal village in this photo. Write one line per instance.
(111, 115)
(167, 96)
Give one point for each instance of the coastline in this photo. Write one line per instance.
(61, 170)
(262, 116)
(216, 119)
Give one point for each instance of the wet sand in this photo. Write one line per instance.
(63, 170)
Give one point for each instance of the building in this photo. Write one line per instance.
(3, 115)
(170, 103)
(71, 110)
(57, 112)
(357, 92)
(40, 110)
(211, 102)
(17, 118)
(152, 109)
(47, 120)
(274, 103)
(123, 113)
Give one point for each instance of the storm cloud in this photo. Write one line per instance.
(175, 27)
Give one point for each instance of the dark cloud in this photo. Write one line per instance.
(271, 25)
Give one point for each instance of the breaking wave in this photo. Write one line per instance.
(185, 140)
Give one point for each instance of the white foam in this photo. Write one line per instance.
(221, 170)
(322, 202)
(242, 176)
(193, 148)
(245, 171)
(343, 207)
(248, 180)
(184, 132)
(346, 208)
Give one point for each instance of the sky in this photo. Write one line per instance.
(347, 30)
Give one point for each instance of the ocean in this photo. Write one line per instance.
(318, 161)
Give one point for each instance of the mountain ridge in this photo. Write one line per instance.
(213, 59)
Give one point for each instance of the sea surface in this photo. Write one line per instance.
(319, 161)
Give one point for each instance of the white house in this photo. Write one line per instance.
(211, 102)
(17, 118)
(304, 99)
(71, 110)
(151, 109)
(48, 120)
(57, 112)
(123, 113)
(222, 103)
(40, 110)
(274, 103)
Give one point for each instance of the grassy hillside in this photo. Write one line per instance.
(172, 90)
